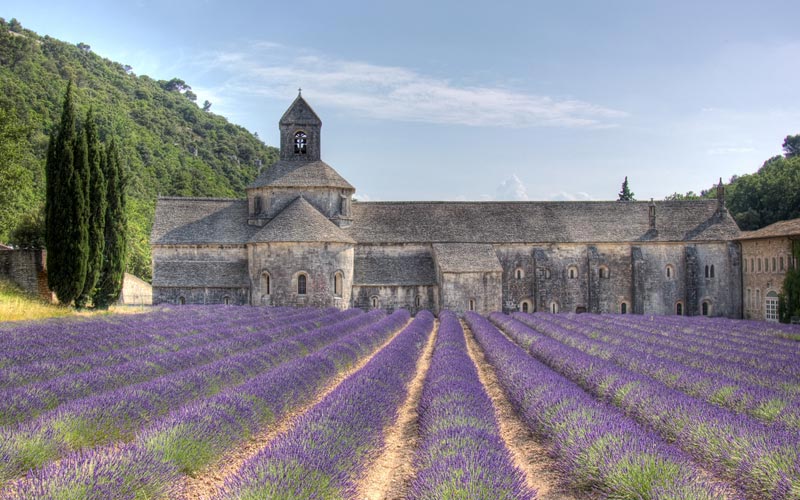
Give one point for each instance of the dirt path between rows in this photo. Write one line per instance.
(390, 476)
(529, 455)
(206, 484)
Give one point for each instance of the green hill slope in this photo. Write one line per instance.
(169, 145)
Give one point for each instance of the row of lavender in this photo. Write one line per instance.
(763, 395)
(760, 460)
(461, 453)
(191, 437)
(115, 416)
(596, 447)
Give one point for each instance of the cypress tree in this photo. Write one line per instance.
(65, 210)
(625, 194)
(109, 284)
(96, 195)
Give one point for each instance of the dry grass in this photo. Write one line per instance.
(16, 305)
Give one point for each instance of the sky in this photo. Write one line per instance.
(477, 100)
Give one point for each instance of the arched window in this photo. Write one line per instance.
(519, 274)
(712, 270)
(745, 265)
(759, 264)
(226, 300)
(679, 309)
(337, 283)
(572, 272)
(707, 270)
(749, 298)
(265, 283)
(604, 273)
(670, 271)
(706, 309)
(781, 260)
(417, 301)
(182, 300)
(547, 274)
(471, 304)
(301, 284)
(623, 308)
(300, 142)
(524, 307)
(752, 265)
(374, 302)
(758, 299)
(554, 307)
(774, 264)
(257, 208)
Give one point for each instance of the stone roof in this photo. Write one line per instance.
(300, 112)
(300, 174)
(211, 274)
(539, 222)
(466, 258)
(381, 269)
(300, 222)
(784, 228)
(196, 221)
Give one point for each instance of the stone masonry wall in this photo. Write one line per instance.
(27, 269)
(760, 276)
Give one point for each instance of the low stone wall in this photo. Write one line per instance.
(27, 268)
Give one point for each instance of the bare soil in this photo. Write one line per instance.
(208, 482)
(390, 475)
(529, 454)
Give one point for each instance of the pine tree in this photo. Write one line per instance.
(626, 194)
(109, 284)
(65, 208)
(96, 195)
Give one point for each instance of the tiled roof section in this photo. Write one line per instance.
(380, 269)
(538, 222)
(211, 274)
(300, 174)
(300, 112)
(194, 221)
(466, 258)
(300, 222)
(785, 228)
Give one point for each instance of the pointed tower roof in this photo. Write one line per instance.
(301, 222)
(300, 112)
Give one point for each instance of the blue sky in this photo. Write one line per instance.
(478, 100)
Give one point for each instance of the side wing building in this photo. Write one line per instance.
(299, 239)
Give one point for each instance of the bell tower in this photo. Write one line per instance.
(300, 132)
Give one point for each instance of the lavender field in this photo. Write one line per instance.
(222, 402)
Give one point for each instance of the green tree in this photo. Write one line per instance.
(109, 283)
(789, 298)
(16, 180)
(626, 194)
(30, 232)
(791, 146)
(65, 212)
(96, 195)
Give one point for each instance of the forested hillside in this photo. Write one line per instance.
(769, 195)
(169, 145)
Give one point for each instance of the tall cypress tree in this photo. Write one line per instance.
(96, 195)
(65, 211)
(109, 284)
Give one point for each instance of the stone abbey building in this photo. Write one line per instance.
(299, 239)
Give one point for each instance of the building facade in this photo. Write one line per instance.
(299, 239)
(767, 254)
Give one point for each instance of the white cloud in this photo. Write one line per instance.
(397, 93)
(565, 196)
(512, 189)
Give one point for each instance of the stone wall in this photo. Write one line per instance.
(760, 278)
(200, 295)
(483, 289)
(135, 291)
(414, 298)
(332, 203)
(284, 263)
(27, 268)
